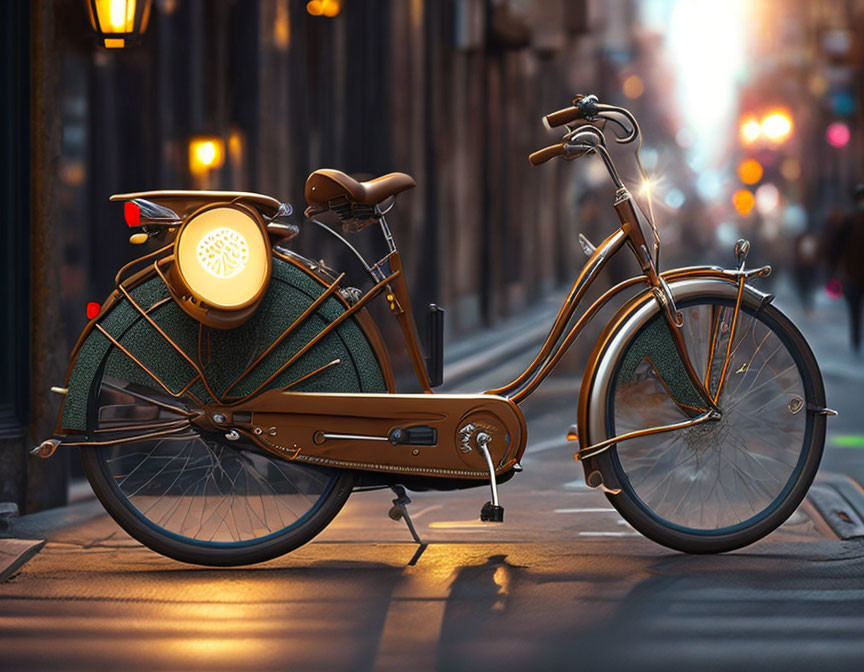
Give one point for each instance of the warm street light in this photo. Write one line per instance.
(328, 8)
(206, 153)
(775, 126)
(750, 130)
(119, 23)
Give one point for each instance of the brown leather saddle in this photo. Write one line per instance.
(353, 201)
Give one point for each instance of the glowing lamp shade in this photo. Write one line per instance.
(206, 153)
(328, 8)
(837, 134)
(119, 23)
(222, 257)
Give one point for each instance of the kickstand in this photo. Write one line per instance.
(400, 510)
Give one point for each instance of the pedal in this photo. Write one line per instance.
(492, 513)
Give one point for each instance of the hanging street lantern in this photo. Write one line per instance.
(118, 23)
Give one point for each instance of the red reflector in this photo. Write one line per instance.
(93, 309)
(132, 213)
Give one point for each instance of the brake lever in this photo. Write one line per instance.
(631, 133)
(585, 130)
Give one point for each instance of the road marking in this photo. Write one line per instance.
(588, 509)
(578, 484)
(415, 516)
(847, 441)
(609, 534)
(548, 444)
(456, 524)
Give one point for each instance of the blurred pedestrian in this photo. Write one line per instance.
(845, 256)
(805, 263)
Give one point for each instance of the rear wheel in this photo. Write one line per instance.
(197, 498)
(719, 485)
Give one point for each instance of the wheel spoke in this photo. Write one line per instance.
(727, 473)
(196, 488)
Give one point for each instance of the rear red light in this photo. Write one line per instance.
(132, 213)
(93, 309)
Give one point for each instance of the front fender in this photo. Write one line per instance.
(616, 336)
(146, 357)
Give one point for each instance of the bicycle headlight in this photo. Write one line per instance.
(223, 258)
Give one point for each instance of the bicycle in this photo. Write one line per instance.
(230, 394)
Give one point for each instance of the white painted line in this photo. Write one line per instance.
(609, 534)
(587, 509)
(578, 484)
(548, 444)
(433, 507)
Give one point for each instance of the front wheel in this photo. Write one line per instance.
(719, 485)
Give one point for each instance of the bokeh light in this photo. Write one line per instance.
(633, 87)
(744, 201)
(750, 171)
(790, 168)
(777, 126)
(750, 130)
(837, 134)
(767, 198)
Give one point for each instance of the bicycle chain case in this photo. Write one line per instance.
(412, 434)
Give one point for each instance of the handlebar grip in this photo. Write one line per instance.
(562, 117)
(543, 155)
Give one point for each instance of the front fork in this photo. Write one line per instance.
(710, 411)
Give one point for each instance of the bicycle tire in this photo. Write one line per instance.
(638, 503)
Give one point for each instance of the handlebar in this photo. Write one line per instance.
(584, 107)
(543, 155)
(590, 112)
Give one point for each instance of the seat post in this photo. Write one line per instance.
(388, 236)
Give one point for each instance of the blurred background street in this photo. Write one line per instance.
(752, 116)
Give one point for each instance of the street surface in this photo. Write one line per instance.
(563, 584)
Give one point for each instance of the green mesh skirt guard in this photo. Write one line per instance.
(225, 355)
(656, 345)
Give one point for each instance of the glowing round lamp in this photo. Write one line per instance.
(223, 258)
(119, 23)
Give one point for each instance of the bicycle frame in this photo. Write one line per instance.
(629, 234)
(632, 234)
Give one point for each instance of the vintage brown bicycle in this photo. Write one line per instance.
(231, 394)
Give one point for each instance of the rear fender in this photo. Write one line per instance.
(356, 342)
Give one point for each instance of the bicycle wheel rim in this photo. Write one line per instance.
(224, 497)
(795, 456)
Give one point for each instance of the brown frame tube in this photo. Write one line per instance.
(596, 262)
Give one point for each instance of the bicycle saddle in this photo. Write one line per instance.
(326, 185)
